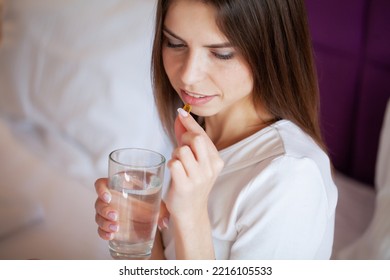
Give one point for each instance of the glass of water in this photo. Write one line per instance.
(135, 181)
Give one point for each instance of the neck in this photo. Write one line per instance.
(234, 125)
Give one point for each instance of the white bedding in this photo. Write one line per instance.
(74, 84)
(354, 211)
(46, 210)
(58, 222)
(74, 76)
(374, 242)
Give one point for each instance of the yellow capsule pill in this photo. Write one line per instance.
(187, 107)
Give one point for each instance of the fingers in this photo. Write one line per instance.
(163, 218)
(179, 131)
(105, 235)
(106, 211)
(106, 228)
(198, 143)
(178, 171)
(188, 122)
(196, 153)
(102, 206)
(184, 157)
(106, 217)
(101, 187)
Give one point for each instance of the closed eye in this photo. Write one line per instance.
(175, 46)
(224, 56)
(222, 51)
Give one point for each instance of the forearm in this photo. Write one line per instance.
(193, 238)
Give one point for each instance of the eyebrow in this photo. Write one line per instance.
(212, 46)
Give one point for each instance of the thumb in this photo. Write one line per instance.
(163, 218)
(185, 122)
(179, 130)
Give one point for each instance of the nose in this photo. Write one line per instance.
(193, 68)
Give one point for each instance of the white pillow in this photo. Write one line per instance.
(21, 176)
(74, 76)
(375, 242)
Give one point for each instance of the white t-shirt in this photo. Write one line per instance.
(274, 199)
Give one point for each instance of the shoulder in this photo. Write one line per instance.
(293, 178)
(297, 172)
(296, 142)
(281, 156)
(303, 160)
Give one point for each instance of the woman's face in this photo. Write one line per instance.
(202, 66)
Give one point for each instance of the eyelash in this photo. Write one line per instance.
(174, 46)
(224, 56)
(217, 55)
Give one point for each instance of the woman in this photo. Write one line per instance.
(250, 178)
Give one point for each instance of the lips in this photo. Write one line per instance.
(195, 98)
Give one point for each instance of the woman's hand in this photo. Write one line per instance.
(107, 216)
(195, 165)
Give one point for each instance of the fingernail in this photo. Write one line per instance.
(164, 224)
(182, 112)
(112, 216)
(109, 235)
(114, 228)
(107, 197)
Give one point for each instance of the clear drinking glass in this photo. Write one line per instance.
(135, 181)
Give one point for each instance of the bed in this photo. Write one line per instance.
(74, 85)
(351, 40)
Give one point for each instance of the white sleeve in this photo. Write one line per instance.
(284, 214)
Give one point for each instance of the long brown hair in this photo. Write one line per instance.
(273, 37)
